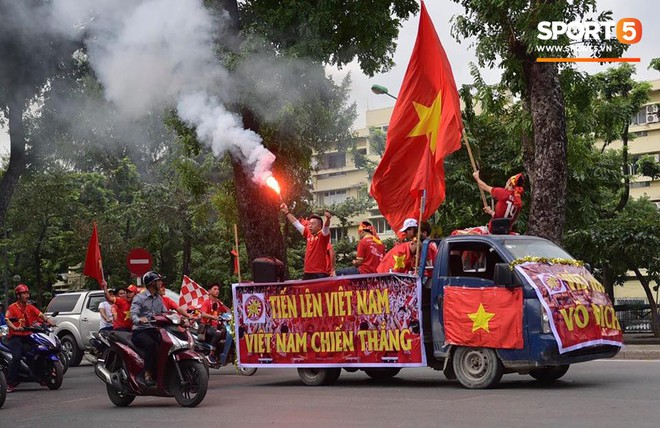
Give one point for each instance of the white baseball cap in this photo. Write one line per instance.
(409, 222)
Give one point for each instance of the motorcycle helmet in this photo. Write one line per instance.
(150, 277)
(21, 288)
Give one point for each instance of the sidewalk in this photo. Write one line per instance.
(639, 346)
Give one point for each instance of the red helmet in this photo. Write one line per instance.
(21, 288)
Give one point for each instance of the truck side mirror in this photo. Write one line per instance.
(503, 275)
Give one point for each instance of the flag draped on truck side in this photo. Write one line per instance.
(424, 128)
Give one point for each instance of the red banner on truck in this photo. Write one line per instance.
(347, 321)
(580, 312)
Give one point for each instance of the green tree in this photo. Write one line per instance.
(506, 36)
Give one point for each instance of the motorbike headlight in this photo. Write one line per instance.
(178, 344)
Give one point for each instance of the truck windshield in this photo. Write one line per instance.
(535, 248)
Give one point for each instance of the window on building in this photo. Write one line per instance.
(337, 233)
(381, 225)
(639, 118)
(334, 160)
(638, 184)
(641, 133)
(335, 196)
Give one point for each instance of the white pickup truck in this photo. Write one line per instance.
(77, 319)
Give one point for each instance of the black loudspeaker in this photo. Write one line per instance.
(500, 226)
(267, 269)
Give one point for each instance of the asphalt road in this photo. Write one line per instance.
(611, 393)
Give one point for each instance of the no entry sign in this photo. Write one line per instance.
(139, 261)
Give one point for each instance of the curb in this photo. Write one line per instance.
(638, 352)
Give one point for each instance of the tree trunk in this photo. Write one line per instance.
(608, 281)
(259, 217)
(548, 210)
(626, 172)
(17, 161)
(186, 262)
(646, 285)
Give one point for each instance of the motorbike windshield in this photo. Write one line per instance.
(520, 248)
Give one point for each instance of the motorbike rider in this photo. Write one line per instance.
(20, 315)
(145, 336)
(211, 310)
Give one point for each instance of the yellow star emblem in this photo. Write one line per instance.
(429, 121)
(480, 318)
(399, 261)
(254, 308)
(127, 315)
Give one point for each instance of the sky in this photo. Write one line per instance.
(460, 55)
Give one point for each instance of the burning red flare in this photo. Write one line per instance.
(273, 184)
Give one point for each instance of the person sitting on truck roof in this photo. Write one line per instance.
(509, 198)
(370, 251)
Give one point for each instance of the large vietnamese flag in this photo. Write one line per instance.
(93, 262)
(489, 317)
(424, 128)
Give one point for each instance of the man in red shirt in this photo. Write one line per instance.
(370, 251)
(317, 234)
(19, 316)
(211, 310)
(509, 198)
(121, 307)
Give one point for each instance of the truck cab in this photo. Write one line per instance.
(477, 261)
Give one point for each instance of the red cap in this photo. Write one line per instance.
(132, 288)
(21, 288)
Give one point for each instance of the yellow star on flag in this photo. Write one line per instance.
(429, 121)
(400, 261)
(480, 318)
(127, 315)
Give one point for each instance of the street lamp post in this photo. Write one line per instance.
(381, 90)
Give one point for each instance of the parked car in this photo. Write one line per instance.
(78, 319)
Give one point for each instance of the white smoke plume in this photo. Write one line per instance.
(151, 55)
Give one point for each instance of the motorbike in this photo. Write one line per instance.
(180, 370)
(40, 361)
(204, 348)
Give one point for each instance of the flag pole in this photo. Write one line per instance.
(238, 260)
(419, 228)
(474, 166)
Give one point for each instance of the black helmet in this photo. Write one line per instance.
(150, 277)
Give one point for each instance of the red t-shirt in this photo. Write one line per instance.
(122, 310)
(371, 252)
(169, 304)
(315, 253)
(207, 308)
(25, 315)
(328, 259)
(504, 208)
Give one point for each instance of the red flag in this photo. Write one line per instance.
(488, 317)
(398, 259)
(234, 260)
(93, 262)
(425, 127)
(192, 294)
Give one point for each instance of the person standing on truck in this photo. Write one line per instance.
(508, 198)
(370, 251)
(20, 316)
(121, 309)
(317, 234)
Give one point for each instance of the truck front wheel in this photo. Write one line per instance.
(477, 368)
(317, 377)
(71, 349)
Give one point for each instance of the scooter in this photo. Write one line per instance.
(40, 361)
(180, 370)
(204, 348)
